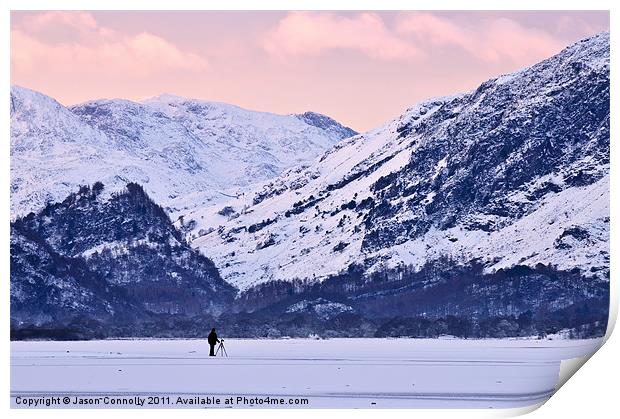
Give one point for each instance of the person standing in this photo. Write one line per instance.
(213, 340)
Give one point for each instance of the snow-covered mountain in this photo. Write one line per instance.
(483, 214)
(117, 260)
(513, 173)
(178, 148)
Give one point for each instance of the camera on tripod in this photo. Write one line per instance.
(221, 349)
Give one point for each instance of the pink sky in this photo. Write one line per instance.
(361, 68)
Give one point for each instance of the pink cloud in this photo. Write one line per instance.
(310, 33)
(492, 39)
(77, 19)
(73, 42)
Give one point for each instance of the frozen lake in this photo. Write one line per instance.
(328, 373)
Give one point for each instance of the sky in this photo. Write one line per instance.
(360, 68)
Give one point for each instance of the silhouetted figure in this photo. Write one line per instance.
(213, 340)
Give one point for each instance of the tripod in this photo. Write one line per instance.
(221, 349)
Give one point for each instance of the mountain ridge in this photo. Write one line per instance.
(175, 148)
(524, 156)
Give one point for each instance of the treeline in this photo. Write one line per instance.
(584, 321)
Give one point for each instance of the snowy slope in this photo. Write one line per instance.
(515, 172)
(52, 150)
(115, 260)
(174, 147)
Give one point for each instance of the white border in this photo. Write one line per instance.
(591, 393)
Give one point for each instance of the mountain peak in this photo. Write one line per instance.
(167, 98)
(26, 99)
(325, 122)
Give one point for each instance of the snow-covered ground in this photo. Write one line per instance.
(336, 373)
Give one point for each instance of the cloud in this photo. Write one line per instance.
(73, 42)
(494, 39)
(77, 20)
(311, 33)
(414, 35)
